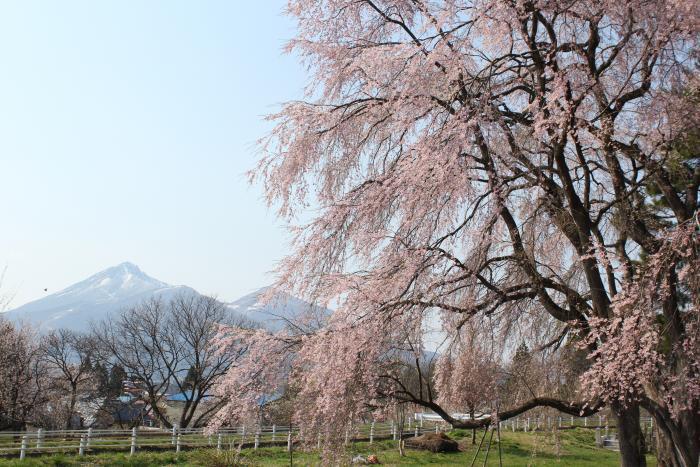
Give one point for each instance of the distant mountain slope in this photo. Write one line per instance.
(275, 314)
(117, 288)
(97, 297)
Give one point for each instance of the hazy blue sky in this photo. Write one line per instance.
(125, 130)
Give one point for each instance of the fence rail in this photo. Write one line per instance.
(23, 443)
(82, 442)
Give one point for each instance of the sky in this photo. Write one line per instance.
(126, 129)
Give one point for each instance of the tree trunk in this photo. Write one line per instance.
(471, 414)
(71, 407)
(679, 444)
(630, 436)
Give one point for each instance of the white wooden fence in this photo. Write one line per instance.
(23, 443)
(81, 442)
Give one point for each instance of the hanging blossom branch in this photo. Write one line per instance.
(517, 164)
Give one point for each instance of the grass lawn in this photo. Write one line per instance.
(572, 448)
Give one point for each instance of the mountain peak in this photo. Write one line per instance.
(123, 278)
(129, 267)
(109, 291)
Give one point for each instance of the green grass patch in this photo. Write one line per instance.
(574, 448)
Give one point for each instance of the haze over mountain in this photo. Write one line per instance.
(117, 288)
(94, 298)
(274, 314)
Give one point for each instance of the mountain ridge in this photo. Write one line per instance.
(119, 287)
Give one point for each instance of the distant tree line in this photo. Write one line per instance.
(156, 348)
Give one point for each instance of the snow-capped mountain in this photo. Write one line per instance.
(117, 288)
(94, 299)
(275, 313)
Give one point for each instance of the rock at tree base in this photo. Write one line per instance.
(433, 442)
(372, 459)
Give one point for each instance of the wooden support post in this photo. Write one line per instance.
(257, 440)
(416, 432)
(133, 441)
(289, 440)
(437, 429)
(218, 442)
(173, 440)
(81, 448)
(371, 433)
(23, 448)
(89, 438)
(39, 435)
(177, 443)
(598, 438)
(274, 432)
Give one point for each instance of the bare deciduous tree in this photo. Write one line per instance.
(161, 345)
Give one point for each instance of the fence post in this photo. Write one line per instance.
(257, 439)
(81, 449)
(416, 432)
(172, 441)
(289, 440)
(133, 441)
(89, 438)
(409, 423)
(598, 438)
(177, 443)
(23, 449)
(218, 442)
(39, 434)
(393, 430)
(559, 422)
(572, 420)
(318, 441)
(527, 424)
(585, 421)
(421, 420)
(243, 435)
(274, 432)
(371, 433)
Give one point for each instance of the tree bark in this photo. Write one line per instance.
(630, 436)
(678, 445)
